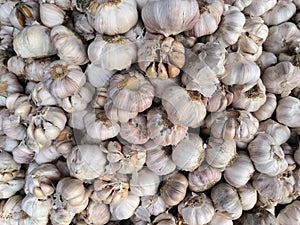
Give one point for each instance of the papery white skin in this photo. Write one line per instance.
(91, 213)
(220, 99)
(5, 9)
(97, 76)
(153, 204)
(100, 98)
(13, 127)
(35, 208)
(259, 216)
(116, 114)
(41, 96)
(219, 219)
(165, 218)
(289, 214)
(8, 144)
(23, 153)
(9, 84)
(51, 15)
(11, 211)
(259, 7)
(82, 26)
(267, 109)
(287, 111)
(248, 196)
(60, 216)
(11, 187)
(9, 169)
(266, 60)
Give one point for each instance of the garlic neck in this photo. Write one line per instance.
(58, 72)
(195, 202)
(195, 95)
(253, 92)
(113, 2)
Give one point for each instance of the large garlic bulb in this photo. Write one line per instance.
(287, 111)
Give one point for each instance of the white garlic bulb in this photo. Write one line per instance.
(287, 111)
(258, 216)
(9, 169)
(289, 214)
(91, 213)
(51, 15)
(11, 187)
(33, 42)
(267, 109)
(259, 7)
(248, 196)
(112, 53)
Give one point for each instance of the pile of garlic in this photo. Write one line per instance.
(149, 112)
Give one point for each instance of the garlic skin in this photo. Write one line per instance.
(11, 212)
(8, 144)
(184, 108)
(13, 127)
(69, 47)
(289, 214)
(86, 162)
(219, 219)
(11, 187)
(153, 204)
(115, 114)
(97, 76)
(33, 42)
(41, 96)
(9, 169)
(267, 109)
(266, 60)
(180, 16)
(196, 209)
(258, 216)
(259, 7)
(226, 201)
(249, 97)
(174, 189)
(287, 111)
(91, 214)
(220, 99)
(60, 216)
(112, 53)
(189, 152)
(240, 172)
(9, 84)
(281, 78)
(82, 26)
(248, 196)
(281, 12)
(51, 15)
(144, 183)
(6, 8)
(125, 209)
(105, 16)
(133, 87)
(165, 218)
(161, 130)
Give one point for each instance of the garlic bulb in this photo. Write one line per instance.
(196, 209)
(180, 16)
(240, 172)
(281, 12)
(259, 7)
(9, 84)
(188, 153)
(69, 47)
(125, 209)
(51, 14)
(116, 114)
(106, 16)
(11, 187)
(183, 107)
(11, 212)
(161, 130)
(258, 216)
(220, 99)
(93, 210)
(249, 97)
(161, 58)
(19, 105)
(287, 111)
(8, 144)
(153, 204)
(13, 127)
(41, 96)
(144, 183)
(267, 109)
(226, 201)
(266, 60)
(174, 189)
(86, 162)
(60, 216)
(289, 214)
(112, 53)
(248, 196)
(6, 8)
(97, 76)
(33, 42)
(209, 19)
(9, 169)
(133, 87)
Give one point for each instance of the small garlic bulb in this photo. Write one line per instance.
(51, 14)
(240, 172)
(259, 216)
(9, 84)
(144, 183)
(69, 47)
(189, 152)
(226, 201)
(113, 17)
(183, 107)
(133, 87)
(197, 209)
(33, 42)
(112, 52)
(248, 196)
(287, 111)
(11, 211)
(170, 17)
(86, 162)
(259, 7)
(289, 214)
(13, 127)
(174, 189)
(267, 109)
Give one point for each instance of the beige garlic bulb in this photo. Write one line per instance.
(144, 183)
(259, 7)
(232, 124)
(249, 97)
(267, 156)
(203, 178)
(189, 152)
(161, 130)
(63, 79)
(113, 17)
(289, 214)
(239, 70)
(267, 109)
(281, 78)
(240, 172)
(46, 124)
(91, 214)
(116, 114)
(125, 209)
(226, 201)
(161, 58)
(258, 216)
(33, 42)
(209, 19)
(180, 16)
(98, 126)
(51, 14)
(287, 111)
(69, 47)
(281, 12)
(248, 196)
(9, 169)
(133, 87)
(86, 162)
(112, 52)
(174, 189)
(281, 37)
(183, 107)
(196, 209)
(219, 152)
